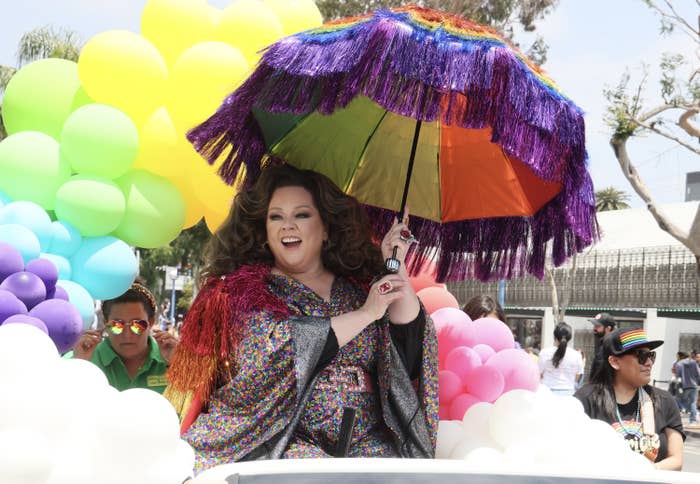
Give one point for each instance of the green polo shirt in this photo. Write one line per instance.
(151, 375)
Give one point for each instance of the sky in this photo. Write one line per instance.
(591, 44)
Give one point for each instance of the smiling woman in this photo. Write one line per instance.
(620, 394)
(295, 329)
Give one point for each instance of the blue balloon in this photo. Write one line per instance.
(65, 239)
(22, 239)
(61, 263)
(4, 199)
(81, 299)
(30, 215)
(105, 266)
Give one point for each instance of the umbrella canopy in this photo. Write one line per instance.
(493, 152)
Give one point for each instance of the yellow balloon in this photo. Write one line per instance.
(194, 211)
(200, 80)
(249, 25)
(124, 70)
(174, 25)
(161, 150)
(214, 220)
(214, 16)
(296, 15)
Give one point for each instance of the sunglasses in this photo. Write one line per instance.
(643, 355)
(137, 326)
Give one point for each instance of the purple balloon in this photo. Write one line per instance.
(63, 321)
(26, 319)
(57, 293)
(26, 286)
(10, 261)
(10, 305)
(46, 270)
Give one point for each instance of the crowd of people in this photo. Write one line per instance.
(301, 344)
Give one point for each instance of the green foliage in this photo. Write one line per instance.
(611, 199)
(623, 107)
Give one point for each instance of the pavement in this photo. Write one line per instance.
(691, 430)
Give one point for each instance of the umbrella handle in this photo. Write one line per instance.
(392, 264)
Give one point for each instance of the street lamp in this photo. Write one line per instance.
(172, 273)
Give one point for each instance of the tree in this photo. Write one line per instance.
(629, 117)
(40, 43)
(611, 199)
(503, 15)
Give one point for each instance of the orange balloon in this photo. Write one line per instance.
(434, 298)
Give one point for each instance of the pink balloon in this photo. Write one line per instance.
(434, 298)
(484, 351)
(450, 386)
(493, 332)
(486, 383)
(462, 360)
(518, 369)
(444, 413)
(461, 404)
(425, 278)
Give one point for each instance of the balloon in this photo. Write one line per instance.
(425, 278)
(80, 298)
(40, 96)
(62, 320)
(461, 361)
(4, 199)
(518, 369)
(104, 266)
(476, 420)
(434, 298)
(58, 293)
(161, 150)
(32, 168)
(513, 419)
(26, 319)
(45, 270)
(25, 347)
(65, 239)
(444, 317)
(250, 26)
(155, 210)
(174, 25)
(61, 263)
(484, 351)
(460, 404)
(296, 15)
(26, 286)
(214, 220)
(193, 207)
(10, 305)
(216, 69)
(30, 215)
(214, 195)
(25, 456)
(10, 261)
(494, 332)
(450, 385)
(99, 140)
(93, 205)
(21, 239)
(485, 382)
(124, 70)
(453, 336)
(449, 435)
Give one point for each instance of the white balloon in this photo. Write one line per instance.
(476, 420)
(470, 443)
(450, 433)
(172, 469)
(25, 457)
(485, 459)
(514, 418)
(25, 353)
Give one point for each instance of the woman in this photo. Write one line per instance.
(619, 393)
(289, 330)
(484, 307)
(561, 367)
(135, 354)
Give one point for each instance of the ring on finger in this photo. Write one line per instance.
(406, 236)
(384, 288)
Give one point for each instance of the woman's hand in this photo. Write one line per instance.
(398, 236)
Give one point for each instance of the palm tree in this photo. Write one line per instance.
(611, 199)
(40, 43)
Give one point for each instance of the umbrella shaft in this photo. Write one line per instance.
(409, 172)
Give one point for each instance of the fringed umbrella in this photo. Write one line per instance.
(416, 105)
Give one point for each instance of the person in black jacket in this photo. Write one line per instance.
(603, 324)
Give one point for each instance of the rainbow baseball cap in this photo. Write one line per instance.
(621, 341)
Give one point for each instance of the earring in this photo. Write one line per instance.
(265, 245)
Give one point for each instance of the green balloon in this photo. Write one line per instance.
(31, 168)
(155, 210)
(99, 140)
(40, 97)
(93, 205)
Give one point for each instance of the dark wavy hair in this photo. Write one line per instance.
(479, 306)
(241, 239)
(562, 333)
(603, 381)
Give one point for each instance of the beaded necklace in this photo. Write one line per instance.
(636, 417)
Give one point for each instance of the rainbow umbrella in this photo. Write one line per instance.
(415, 106)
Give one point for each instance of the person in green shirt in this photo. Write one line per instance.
(134, 354)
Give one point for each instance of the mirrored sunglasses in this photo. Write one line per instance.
(643, 355)
(137, 326)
